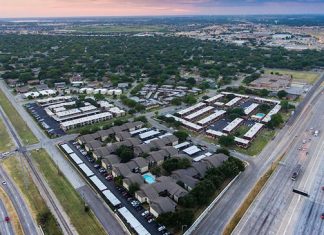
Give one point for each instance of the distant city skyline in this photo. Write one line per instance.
(66, 8)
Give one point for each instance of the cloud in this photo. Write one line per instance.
(34, 8)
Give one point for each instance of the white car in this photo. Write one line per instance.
(161, 228)
(145, 213)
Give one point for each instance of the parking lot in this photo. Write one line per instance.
(127, 201)
(51, 126)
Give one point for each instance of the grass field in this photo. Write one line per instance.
(5, 143)
(309, 77)
(84, 222)
(32, 196)
(20, 125)
(120, 28)
(259, 143)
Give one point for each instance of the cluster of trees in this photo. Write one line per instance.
(188, 99)
(182, 135)
(170, 120)
(276, 121)
(226, 140)
(132, 103)
(202, 194)
(174, 163)
(235, 113)
(125, 58)
(248, 91)
(125, 153)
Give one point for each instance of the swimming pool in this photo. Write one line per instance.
(149, 178)
(260, 115)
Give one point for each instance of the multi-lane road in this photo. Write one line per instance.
(111, 225)
(218, 217)
(277, 210)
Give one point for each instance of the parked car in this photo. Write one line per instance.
(161, 228)
(109, 177)
(145, 213)
(7, 219)
(97, 166)
(150, 220)
(322, 216)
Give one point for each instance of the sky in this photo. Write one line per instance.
(65, 8)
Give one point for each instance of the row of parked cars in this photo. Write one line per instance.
(145, 213)
(124, 193)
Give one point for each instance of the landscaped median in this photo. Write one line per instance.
(84, 222)
(35, 202)
(25, 134)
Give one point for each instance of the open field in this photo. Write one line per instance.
(31, 194)
(11, 212)
(259, 143)
(5, 143)
(309, 77)
(120, 28)
(84, 222)
(20, 125)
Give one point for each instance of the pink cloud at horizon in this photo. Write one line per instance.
(63, 8)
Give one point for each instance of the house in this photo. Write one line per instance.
(120, 136)
(83, 139)
(215, 160)
(92, 145)
(158, 143)
(102, 152)
(146, 193)
(170, 150)
(156, 158)
(143, 148)
(162, 205)
(120, 169)
(105, 134)
(33, 82)
(108, 161)
(170, 140)
(22, 89)
(138, 164)
(133, 179)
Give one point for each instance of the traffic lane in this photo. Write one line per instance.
(285, 196)
(103, 214)
(304, 213)
(151, 227)
(25, 218)
(7, 226)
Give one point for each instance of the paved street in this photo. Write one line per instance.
(110, 225)
(278, 210)
(26, 220)
(5, 227)
(220, 215)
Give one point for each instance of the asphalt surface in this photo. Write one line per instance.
(220, 215)
(151, 227)
(277, 210)
(112, 225)
(26, 220)
(5, 227)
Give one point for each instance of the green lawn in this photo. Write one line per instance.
(30, 192)
(84, 222)
(20, 125)
(240, 132)
(5, 143)
(309, 77)
(262, 139)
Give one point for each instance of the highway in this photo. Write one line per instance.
(277, 210)
(218, 217)
(26, 220)
(5, 227)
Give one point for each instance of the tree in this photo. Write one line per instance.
(189, 99)
(226, 140)
(285, 105)
(264, 108)
(281, 94)
(264, 92)
(182, 135)
(125, 153)
(223, 150)
(133, 188)
(99, 96)
(141, 118)
(173, 164)
(275, 121)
